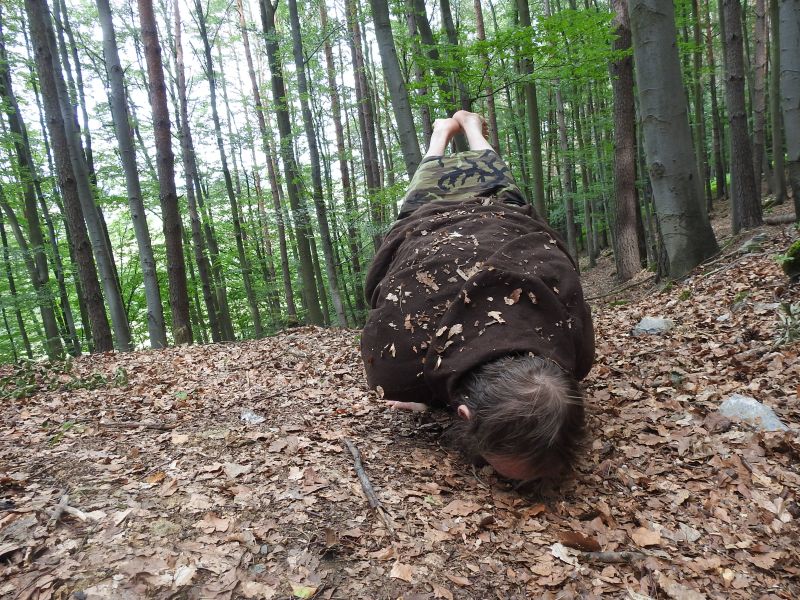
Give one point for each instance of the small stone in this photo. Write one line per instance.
(257, 569)
(264, 549)
(652, 326)
(744, 408)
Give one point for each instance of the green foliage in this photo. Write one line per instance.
(788, 323)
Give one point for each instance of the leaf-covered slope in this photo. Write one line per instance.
(198, 503)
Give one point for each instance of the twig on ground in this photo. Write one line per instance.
(732, 263)
(366, 485)
(136, 425)
(779, 220)
(622, 288)
(613, 557)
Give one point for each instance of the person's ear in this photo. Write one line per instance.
(464, 412)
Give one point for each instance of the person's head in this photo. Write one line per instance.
(524, 415)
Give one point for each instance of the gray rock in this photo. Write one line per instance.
(744, 408)
(753, 244)
(251, 418)
(653, 326)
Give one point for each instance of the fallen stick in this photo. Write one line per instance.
(779, 220)
(136, 425)
(613, 557)
(366, 485)
(622, 288)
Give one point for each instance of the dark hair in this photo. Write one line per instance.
(523, 406)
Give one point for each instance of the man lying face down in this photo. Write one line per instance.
(477, 307)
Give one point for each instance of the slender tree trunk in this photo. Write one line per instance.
(366, 123)
(218, 332)
(699, 104)
(627, 257)
(347, 190)
(745, 206)
(244, 262)
(119, 110)
(165, 161)
(419, 75)
(74, 175)
(790, 91)
(759, 92)
(300, 213)
(316, 175)
(685, 228)
(291, 309)
(716, 120)
(397, 86)
(452, 39)
(12, 289)
(778, 168)
(491, 109)
(534, 126)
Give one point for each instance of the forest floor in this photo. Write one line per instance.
(135, 475)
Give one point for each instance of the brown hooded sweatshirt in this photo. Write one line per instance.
(455, 286)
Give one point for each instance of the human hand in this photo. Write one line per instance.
(417, 407)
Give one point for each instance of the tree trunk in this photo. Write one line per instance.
(12, 289)
(419, 75)
(687, 234)
(397, 86)
(534, 126)
(215, 317)
(627, 257)
(716, 121)
(165, 161)
(745, 206)
(347, 189)
(779, 175)
(74, 182)
(291, 309)
(244, 262)
(316, 175)
(491, 110)
(699, 105)
(790, 91)
(119, 110)
(452, 39)
(366, 123)
(300, 213)
(759, 92)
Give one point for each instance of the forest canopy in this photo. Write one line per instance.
(187, 171)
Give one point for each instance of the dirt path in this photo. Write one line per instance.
(208, 506)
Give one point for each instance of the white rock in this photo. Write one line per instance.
(653, 326)
(750, 410)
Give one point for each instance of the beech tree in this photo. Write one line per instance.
(686, 231)
(789, 16)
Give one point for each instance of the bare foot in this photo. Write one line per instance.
(471, 121)
(449, 126)
(443, 131)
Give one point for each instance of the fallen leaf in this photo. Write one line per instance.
(441, 592)
(402, 571)
(254, 589)
(496, 315)
(458, 580)
(179, 438)
(211, 523)
(461, 508)
(425, 279)
(233, 470)
(156, 477)
(564, 554)
(183, 575)
(303, 591)
(513, 297)
(677, 591)
(644, 537)
(455, 330)
(579, 541)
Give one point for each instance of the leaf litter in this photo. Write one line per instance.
(665, 504)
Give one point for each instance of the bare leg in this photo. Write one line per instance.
(443, 131)
(475, 128)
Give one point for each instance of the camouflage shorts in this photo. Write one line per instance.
(460, 177)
